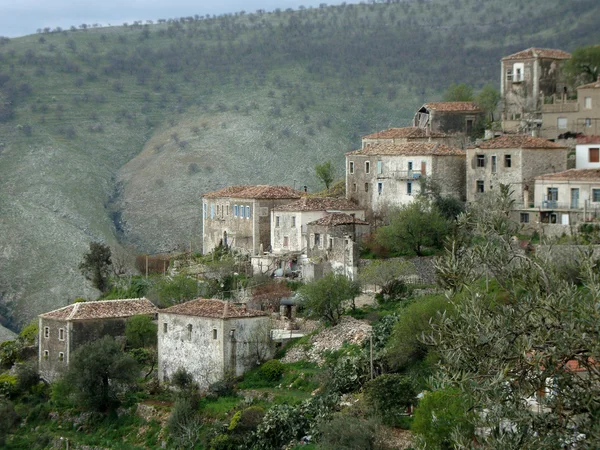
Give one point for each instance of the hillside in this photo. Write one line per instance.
(113, 134)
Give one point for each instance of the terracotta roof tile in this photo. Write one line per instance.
(411, 148)
(259, 192)
(588, 140)
(573, 174)
(103, 309)
(519, 141)
(534, 52)
(594, 85)
(335, 219)
(319, 204)
(453, 106)
(202, 307)
(405, 132)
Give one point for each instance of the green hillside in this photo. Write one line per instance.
(113, 134)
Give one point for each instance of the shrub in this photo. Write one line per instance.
(184, 424)
(140, 331)
(182, 379)
(347, 432)
(8, 385)
(222, 388)
(27, 376)
(271, 370)
(389, 396)
(30, 333)
(8, 418)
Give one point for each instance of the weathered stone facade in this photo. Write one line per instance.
(448, 117)
(512, 160)
(240, 217)
(211, 339)
(64, 330)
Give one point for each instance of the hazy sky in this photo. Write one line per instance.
(21, 17)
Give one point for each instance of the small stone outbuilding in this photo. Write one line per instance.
(64, 330)
(211, 339)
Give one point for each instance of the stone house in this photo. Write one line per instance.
(240, 216)
(405, 135)
(562, 116)
(211, 339)
(526, 78)
(563, 200)
(337, 247)
(448, 117)
(587, 152)
(514, 160)
(64, 330)
(384, 175)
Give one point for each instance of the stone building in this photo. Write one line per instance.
(514, 160)
(334, 244)
(405, 135)
(587, 152)
(211, 339)
(64, 330)
(448, 117)
(240, 216)
(526, 78)
(383, 175)
(564, 116)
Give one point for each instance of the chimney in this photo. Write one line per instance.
(226, 308)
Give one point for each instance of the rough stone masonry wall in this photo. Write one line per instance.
(51, 367)
(450, 173)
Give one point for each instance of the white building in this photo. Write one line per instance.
(587, 154)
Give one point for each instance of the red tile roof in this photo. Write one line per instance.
(519, 141)
(453, 106)
(406, 133)
(335, 219)
(256, 192)
(411, 148)
(573, 174)
(588, 140)
(538, 53)
(103, 309)
(319, 204)
(202, 307)
(594, 85)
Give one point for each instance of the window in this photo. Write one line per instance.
(480, 160)
(61, 356)
(214, 333)
(366, 187)
(351, 166)
(379, 187)
(286, 241)
(276, 221)
(247, 212)
(409, 188)
(507, 161)
(588, 122)
(524, 217)
(354, 187)
(227, 209)
(164, 327)
(469, 125)
(293, 221)
(317, 240)
(494, 164)
(218, 208)
(236, 210)
(46, 354)
(46, 332)
(379, 167)
(561, 123)
(212, 210)
(480, 186)
(518, 72)
(242, 211)
(588, 103)
(410, 167)
(205, 214)
(509, 74)
(594, 154)
(189, 331)
(61, 334)
(367, 166)
(596, 195)
(330, 243)
(552, 194)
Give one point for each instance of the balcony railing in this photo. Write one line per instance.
(401, 174)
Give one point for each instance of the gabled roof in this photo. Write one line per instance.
(588, 140)
(453, 106)
(103, 309)
(572, 175)
(411, 148)
(319, 204)
(334, 219)
(519, 141)
(594, 85)
(405, 132)
(202, 307)
(534, 52)
(256, 192)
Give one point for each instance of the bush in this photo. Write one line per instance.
(389, 396)
(184, 424)
(8, 385)
(271, 370)
(29, 334)
(348, 433)
(182, 379)
(27, 376)
(140, 331)
(8, 418)
(222, 388)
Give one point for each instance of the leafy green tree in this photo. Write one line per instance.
(96, 265)
(326, 173)
(171, 291)
(414, 227)
(458, 93)
(386, 274)
(97, 372)
(488, 100)
(389, 396)
(328, 297)
(140, 331)
(584, 65)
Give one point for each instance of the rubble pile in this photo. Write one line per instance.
(348, 330)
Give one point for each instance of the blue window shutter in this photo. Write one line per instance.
(212, 211)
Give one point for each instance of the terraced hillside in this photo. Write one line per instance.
(113, 134)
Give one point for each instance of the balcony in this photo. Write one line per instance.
(560, 104)
(401, 175)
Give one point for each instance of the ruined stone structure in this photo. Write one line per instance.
(240, 216)
(384, 175)
(448, 117)
(211, 339)
(526, 79)
(64, 330)
(405, 135)
(514, 160)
